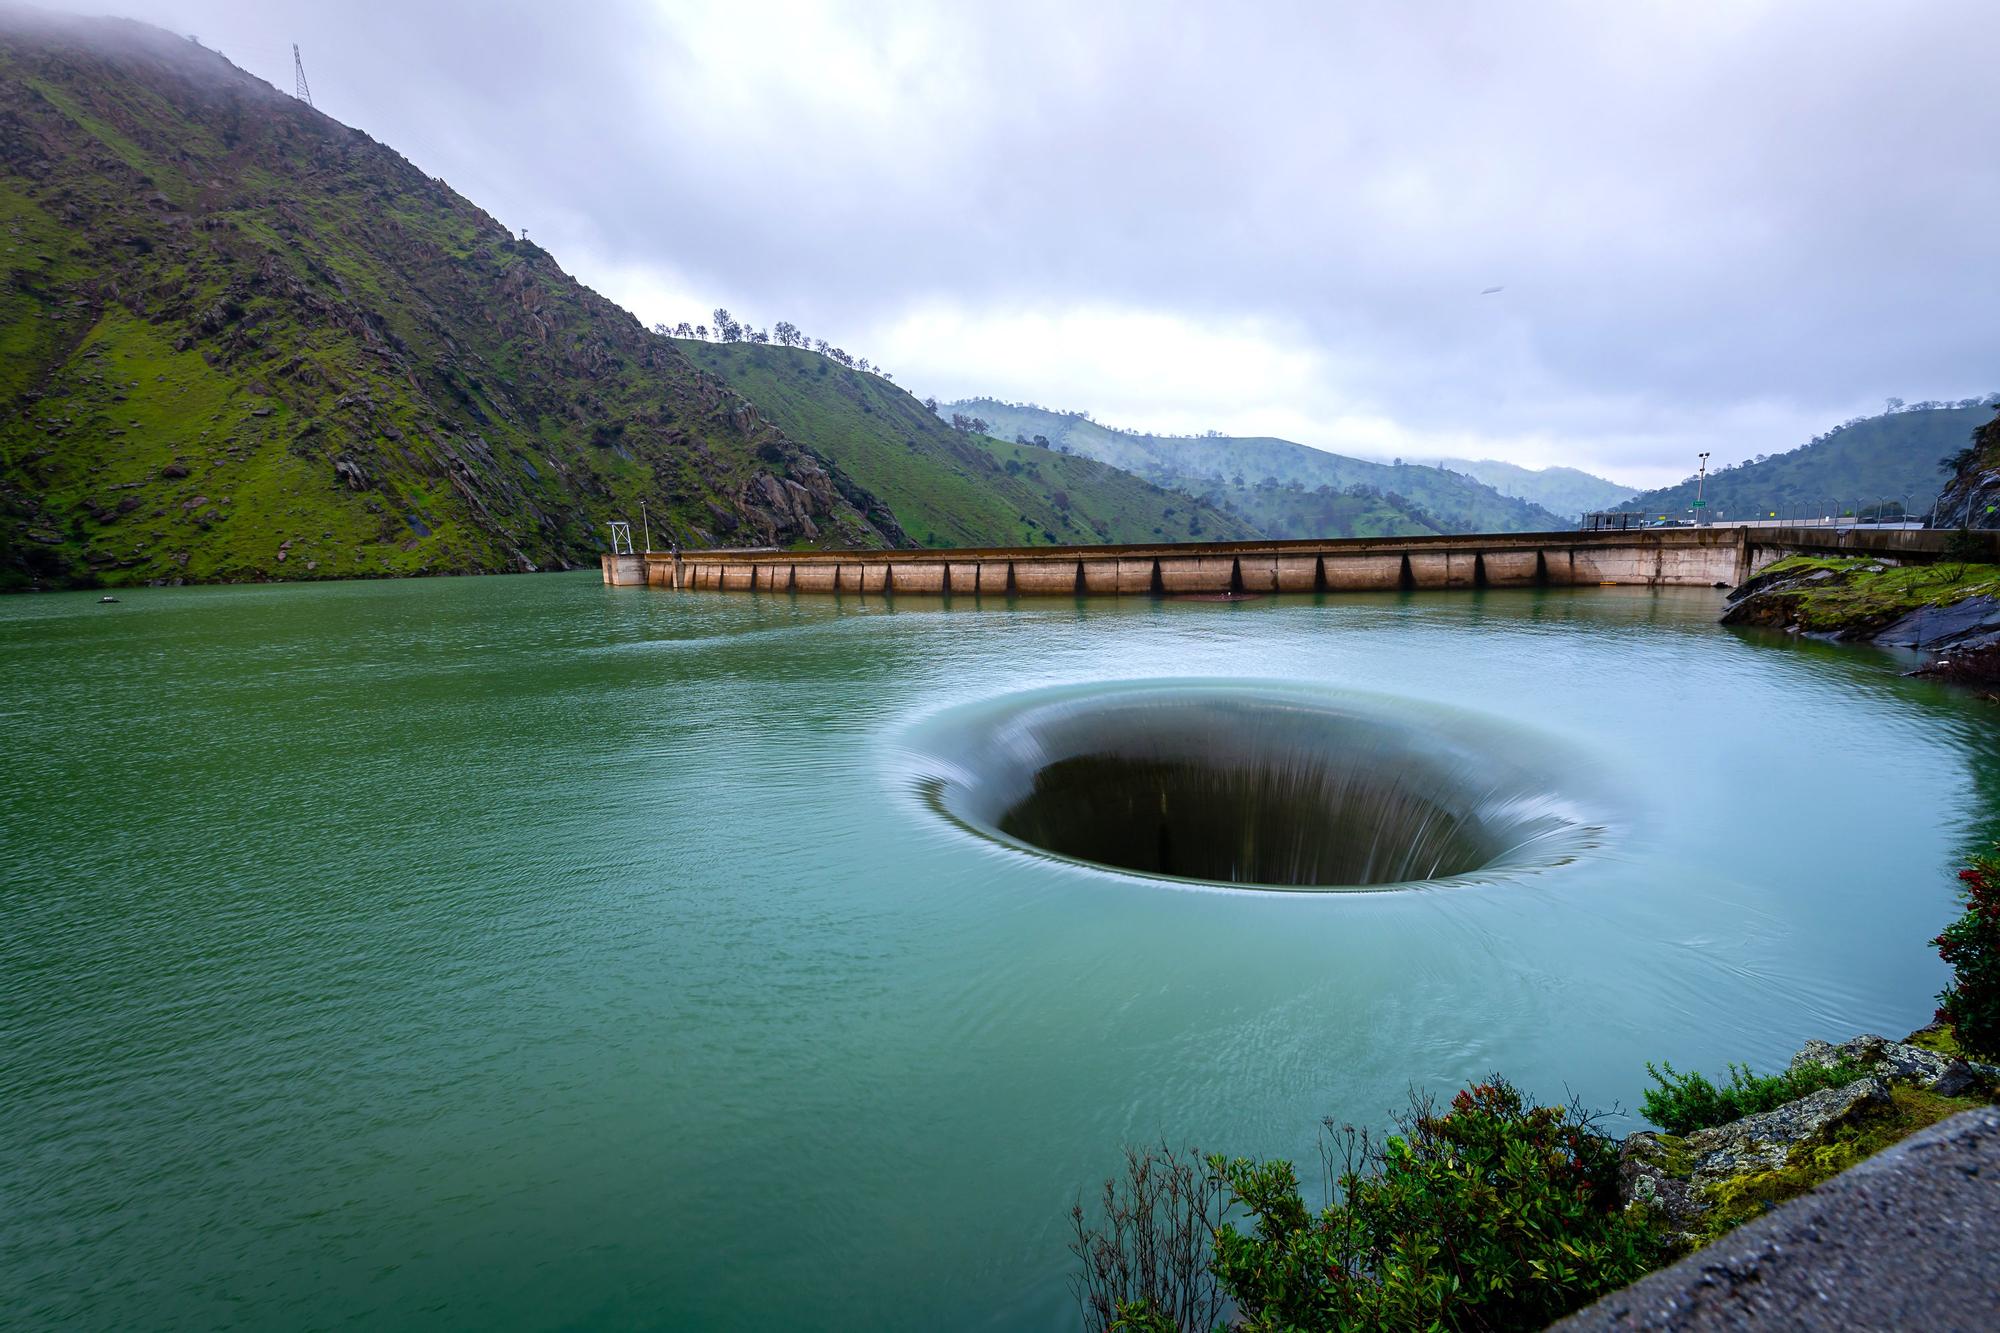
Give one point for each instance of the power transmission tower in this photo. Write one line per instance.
(300, 89)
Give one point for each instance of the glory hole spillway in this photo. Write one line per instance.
(1254, 786)
(509, 953)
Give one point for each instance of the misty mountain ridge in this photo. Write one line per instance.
(1262, 477)
(1568, 491)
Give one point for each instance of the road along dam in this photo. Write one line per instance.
(1660, 557)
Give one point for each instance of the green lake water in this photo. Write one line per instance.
(520, 953)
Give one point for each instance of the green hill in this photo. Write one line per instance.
(1893, 459)
(1295, 511)
(240, 340)
(948, 487)
(1567, 491)
(1429, 498)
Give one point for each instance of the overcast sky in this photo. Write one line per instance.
(1721, 226)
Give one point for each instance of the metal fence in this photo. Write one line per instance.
(1889, 512)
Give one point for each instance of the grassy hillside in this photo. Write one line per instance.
(1294, 510)
(947, 487)
(1428, 497)
(239, 340)
(1567, 491)
(1863, 462)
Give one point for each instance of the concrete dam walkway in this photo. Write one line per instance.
(1662, 557)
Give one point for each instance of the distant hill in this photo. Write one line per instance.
(240, 340)
(1566, 491)
(1237, 469)
(948, 487)
(1867, 462)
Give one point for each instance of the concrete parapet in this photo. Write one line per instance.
(1509, 569)
(1686, 557)
(623, 571)
(1135, 577)
(1444, 569)
(1047, 578)
(1362, 573)
(1255, 573)
(1100, 578)
(1195, 575)
(926, 578)
(1298, 573)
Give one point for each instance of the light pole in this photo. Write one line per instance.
(1699, 479)
(646, 526)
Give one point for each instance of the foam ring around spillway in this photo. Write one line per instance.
(1258, 786)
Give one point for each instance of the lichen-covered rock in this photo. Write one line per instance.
(1652, 1173)
(1764, 1141)
(1964, 1079)
(1901, 1062)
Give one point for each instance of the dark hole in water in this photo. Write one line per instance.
(1244, 822)
(1245, 785)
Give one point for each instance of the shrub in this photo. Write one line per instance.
(1683, 1103)
(1145, 1255)
(1971, 944)
(1494, 1214)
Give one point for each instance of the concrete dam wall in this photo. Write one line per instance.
(1665, 557)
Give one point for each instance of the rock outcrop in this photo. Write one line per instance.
(1902, 1061)
(1764, 1142)
(1681, 1179)
(1949, 609)
(1972, 499)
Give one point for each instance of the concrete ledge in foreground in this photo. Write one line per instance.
(1909, 1239)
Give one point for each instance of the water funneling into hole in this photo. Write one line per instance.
(1257, 785)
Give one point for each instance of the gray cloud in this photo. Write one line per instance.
(1720, 227)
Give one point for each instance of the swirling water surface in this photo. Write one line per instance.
(522, 953)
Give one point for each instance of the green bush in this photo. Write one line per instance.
(1492, 1215)
(1962, 546)
(1971, 944)
(1683, 1103)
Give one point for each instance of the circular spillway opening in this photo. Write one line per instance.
(1257, 786)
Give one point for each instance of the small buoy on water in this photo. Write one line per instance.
(102, 600)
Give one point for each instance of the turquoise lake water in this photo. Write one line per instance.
(521, 953)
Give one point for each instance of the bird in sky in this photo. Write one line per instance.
(1490, 290)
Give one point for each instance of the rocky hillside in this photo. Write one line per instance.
(949, 487)
(1252, 474)
(240, 340)
(1971, 499)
